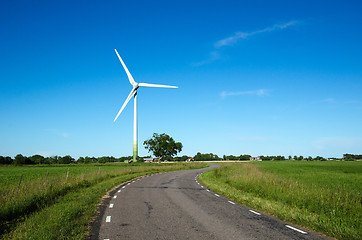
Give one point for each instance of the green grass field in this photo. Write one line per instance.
(322, 196)
(49, 205)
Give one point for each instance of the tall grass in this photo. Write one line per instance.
(327, 200)
(44, 188)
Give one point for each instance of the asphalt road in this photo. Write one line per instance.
(175, 205)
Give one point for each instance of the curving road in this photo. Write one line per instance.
(175, 205)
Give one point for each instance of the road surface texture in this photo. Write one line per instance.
(174, 205)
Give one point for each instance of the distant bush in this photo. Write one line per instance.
(351, 157)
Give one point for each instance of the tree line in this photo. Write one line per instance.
(351, 157)
(38, 159)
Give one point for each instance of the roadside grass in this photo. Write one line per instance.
(61, 208)
(322, 196)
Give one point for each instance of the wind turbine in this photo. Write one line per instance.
(133, 94)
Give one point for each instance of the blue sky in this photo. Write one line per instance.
(254, 77)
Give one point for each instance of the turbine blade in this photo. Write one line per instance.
(133, 91)
(155, 85)
(130, 78)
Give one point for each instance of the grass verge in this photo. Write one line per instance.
(65, 213)
(322, 196)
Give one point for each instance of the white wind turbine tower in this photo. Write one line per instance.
(133, 93)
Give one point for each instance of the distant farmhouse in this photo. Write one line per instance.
(256, 159)
(151, 159)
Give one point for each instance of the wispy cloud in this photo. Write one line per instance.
(260, 93)
(214, 55)
(234, 38)
(243, 35)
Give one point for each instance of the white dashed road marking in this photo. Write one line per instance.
(208, 190)
(254, 212)
(108, 219)
(123, 186)
(231, 202)
(296, 229)
(111, 205)
(217, 195)
(119, 190)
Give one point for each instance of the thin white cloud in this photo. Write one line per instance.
(243, 35)
(259, 93)
(233, 39)
(214, 55)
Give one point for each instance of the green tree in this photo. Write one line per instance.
(66, 160)
(162, 145)
(90, 159)
(37, 159)
(53, 159)
(245, 157)
(319, 158)
(205, 157)
(6, 160)
(19, 159)
(231, 157)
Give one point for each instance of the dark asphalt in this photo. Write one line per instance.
(174, 205)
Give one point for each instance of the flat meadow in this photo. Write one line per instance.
(60, 201)
(324, 196)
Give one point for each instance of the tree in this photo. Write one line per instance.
(162, 145)
(244, 157)
(90, 159)
(231, 157)
(205, 157)
(66, 160)
(53, 159)
(37, 159)
(6, 160)
(19, 159)
(319, 158)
